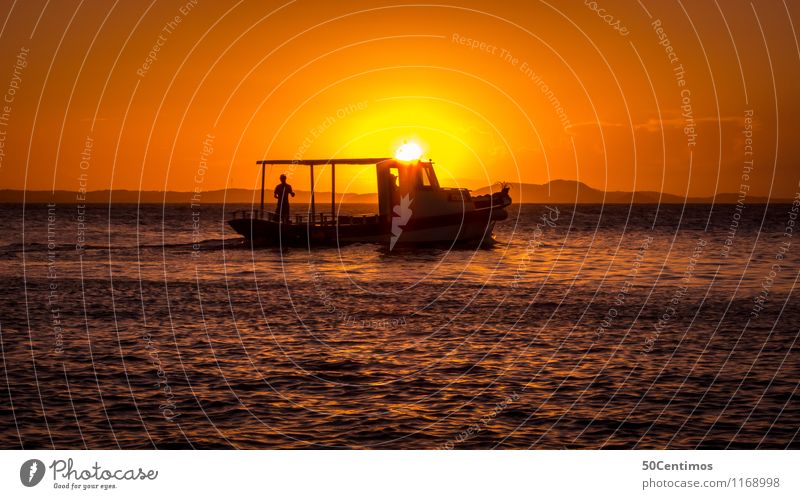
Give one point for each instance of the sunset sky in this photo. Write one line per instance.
(493, 91)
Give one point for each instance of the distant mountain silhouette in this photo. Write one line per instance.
(554, 192)
(574, 192)
(220, 196)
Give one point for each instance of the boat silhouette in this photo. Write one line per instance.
(413, 210)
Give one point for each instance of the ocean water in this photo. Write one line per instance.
(584, 327)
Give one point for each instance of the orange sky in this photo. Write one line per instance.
(492, 90)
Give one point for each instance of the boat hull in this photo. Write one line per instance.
(461, 228)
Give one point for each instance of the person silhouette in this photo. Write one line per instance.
(282, 192)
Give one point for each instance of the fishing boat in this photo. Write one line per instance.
(413, 209)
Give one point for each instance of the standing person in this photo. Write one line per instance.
(282, 192)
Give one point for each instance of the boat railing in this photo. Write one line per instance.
(304, 218)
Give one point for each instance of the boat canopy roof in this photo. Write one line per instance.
(312, 162)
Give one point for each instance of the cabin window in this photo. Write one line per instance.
(426, 179)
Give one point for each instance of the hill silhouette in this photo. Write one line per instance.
(574, 192)
(219, 196)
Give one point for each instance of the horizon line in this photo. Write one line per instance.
(257, 190)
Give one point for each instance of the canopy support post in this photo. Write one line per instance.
(263, 172)
(311, 169)
(333, 193)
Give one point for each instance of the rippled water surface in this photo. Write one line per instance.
(609, 326)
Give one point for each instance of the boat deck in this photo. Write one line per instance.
(318, 219)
